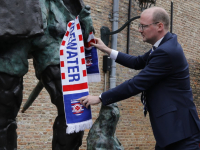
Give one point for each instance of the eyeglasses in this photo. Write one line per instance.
(142, 27)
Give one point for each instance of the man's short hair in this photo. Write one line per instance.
(160, 15)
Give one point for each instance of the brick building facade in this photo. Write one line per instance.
(133, 130)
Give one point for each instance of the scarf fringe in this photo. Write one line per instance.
(95, 77)
(77, 127)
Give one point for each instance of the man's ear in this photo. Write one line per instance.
(160, 26)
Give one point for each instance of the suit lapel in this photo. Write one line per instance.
(166, 38)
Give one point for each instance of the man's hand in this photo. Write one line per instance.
(101, 46)
(89, 100)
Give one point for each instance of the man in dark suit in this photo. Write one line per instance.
(164, 82)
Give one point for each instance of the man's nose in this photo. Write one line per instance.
(140, 30)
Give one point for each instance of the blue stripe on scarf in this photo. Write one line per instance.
(94, 62)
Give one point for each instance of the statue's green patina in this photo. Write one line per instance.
(40, 40)
(102, 134)
(44, 49)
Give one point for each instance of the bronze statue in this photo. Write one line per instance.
(102, 134)
(34, 29)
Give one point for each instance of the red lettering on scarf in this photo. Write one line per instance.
(63, 43)
(80, 38)
(83, 60)
(62, 64)
(67, 33)
(69, 24)
(61, 52)
(84, 73)
(82, 49)
(78, 26)
(63, 75)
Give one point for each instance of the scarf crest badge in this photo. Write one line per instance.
(78, 65)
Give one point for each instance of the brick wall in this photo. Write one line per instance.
(133, 130)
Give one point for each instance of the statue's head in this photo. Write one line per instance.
(109, 116)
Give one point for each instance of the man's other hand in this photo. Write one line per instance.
(89, 100)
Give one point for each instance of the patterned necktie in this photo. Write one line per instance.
(152, 49)
(143, 100)
(143, 95)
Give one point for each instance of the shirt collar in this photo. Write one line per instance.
(158, 42)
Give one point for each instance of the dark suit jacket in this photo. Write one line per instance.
(165, 78)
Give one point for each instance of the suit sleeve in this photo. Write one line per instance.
(159, 67)
(132, 62)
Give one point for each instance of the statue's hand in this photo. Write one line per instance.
(86, 22)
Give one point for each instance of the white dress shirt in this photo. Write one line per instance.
(114, 53)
